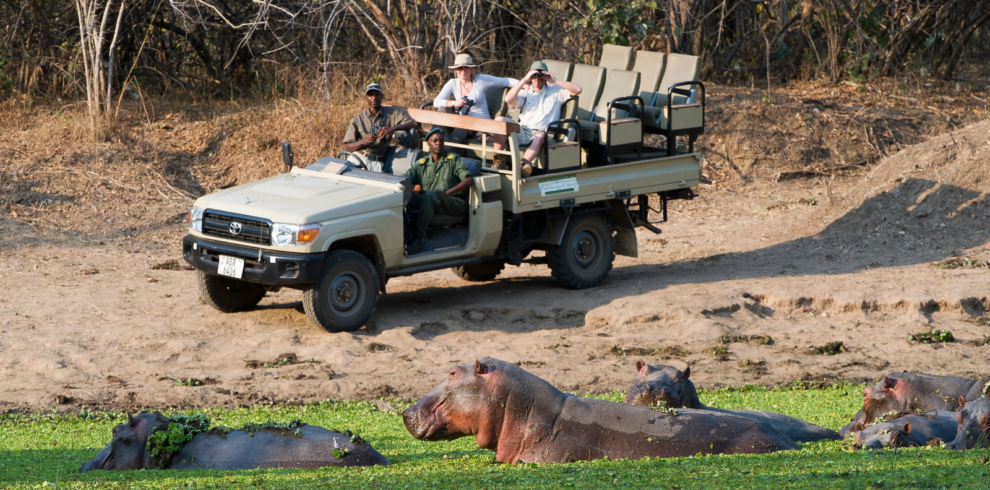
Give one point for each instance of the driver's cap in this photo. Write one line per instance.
(372, 87)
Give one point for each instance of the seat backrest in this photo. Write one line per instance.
(591, 79)
(680, 68)
(560, 69)
(473, 165)
(616, 57)
(495, 97)
(650, 66)
(620, 83)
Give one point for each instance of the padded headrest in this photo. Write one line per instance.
(473, 166)
(616, 57)
(592, 80)
(650, 66)
(560, 69)
(495, 98)
(680, 68)
(620, 83)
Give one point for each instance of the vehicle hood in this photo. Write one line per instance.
(298, 198)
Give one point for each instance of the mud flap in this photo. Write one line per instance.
(625, 231)
(555, 229)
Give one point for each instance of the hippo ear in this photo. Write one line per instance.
(907, 428)
(480, 368)
(687, 372)
(985, 421)
(130, 419)
(858, 427)
(962, 401)
(887, 383)
(639, 365)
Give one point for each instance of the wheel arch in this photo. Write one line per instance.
(368, 245)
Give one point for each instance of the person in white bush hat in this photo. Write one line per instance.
(467, 88)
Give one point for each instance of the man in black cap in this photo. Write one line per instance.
(440, 185)
(369, 135)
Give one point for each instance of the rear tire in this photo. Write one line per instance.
(346, 294)
(485, 271)
(228, 294)
(585, 254)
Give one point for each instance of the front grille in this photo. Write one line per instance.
(253, 230)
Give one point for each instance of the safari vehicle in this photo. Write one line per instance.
(335, 231)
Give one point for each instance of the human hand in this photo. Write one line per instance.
(529, 76)
(369, 139)
(549, 77)
(385, 131)
(442, 193)
(459, 103)
(417, 188)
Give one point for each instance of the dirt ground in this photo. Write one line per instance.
(742, 281)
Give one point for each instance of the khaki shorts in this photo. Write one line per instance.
(526, 134)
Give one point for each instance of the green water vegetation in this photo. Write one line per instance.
(45, 450)
(829, 349)
(932, 336)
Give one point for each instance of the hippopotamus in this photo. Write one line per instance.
(974, 424)
(908, 431)
(909, 393)
(660, 384)
(524, 419)
(306, 447)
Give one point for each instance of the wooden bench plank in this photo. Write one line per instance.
(464, 122)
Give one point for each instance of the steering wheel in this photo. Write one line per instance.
(355, 165)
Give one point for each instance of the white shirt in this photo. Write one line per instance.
(481, 83)
(538, 109)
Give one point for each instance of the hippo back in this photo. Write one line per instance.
(313, 447)
(591, 429)
(794, 428)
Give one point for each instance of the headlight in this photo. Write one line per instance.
(288, 235)
(196, 219)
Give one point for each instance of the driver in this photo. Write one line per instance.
(440, 183)
(369, 134)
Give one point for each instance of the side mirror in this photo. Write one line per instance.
(287, 155)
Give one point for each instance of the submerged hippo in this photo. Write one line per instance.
(525, 419)
(909, 431)
(908, 393)
(666, 384)
(974, 424)
(311, 447)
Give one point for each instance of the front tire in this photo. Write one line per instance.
(346, 294)
(585, 254)
(485, 271)
(228, 294)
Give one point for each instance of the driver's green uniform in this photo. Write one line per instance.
(437, 176)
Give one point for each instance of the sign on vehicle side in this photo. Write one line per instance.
(558, 185)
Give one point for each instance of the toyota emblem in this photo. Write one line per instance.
(235, 228)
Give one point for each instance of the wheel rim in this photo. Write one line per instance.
(586, 249)
(345, 293)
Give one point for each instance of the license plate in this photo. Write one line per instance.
(231, 267)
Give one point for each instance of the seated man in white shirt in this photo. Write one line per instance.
(538, 107)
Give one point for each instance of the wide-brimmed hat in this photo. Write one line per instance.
(463, 60)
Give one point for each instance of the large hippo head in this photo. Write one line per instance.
(126, 450)
(659, 383)
(480, 399)
(888, 395)
(891, 434)
(974, 424)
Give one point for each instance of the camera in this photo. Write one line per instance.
(468, 104)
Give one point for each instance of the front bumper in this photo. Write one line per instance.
(260, 266)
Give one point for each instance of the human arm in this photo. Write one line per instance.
(443, 98)
(490, 81)
(459, 188)
(353, 143)
(573, 88)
